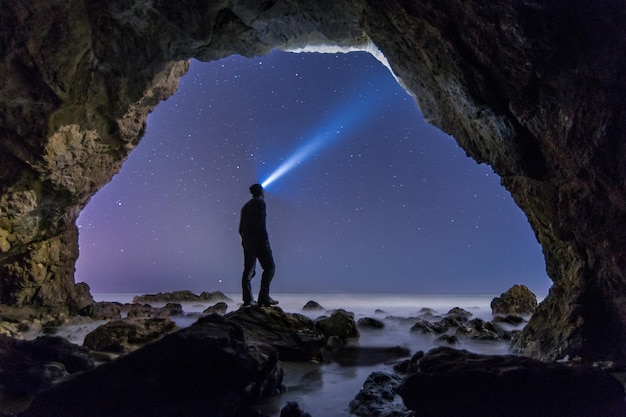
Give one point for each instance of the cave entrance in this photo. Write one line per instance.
(387, 203)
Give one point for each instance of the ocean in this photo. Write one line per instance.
(326, 389)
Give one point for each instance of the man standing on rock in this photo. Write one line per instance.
(256, 245)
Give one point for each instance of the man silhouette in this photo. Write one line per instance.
(256, 245)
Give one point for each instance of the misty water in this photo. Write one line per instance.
(326, 389)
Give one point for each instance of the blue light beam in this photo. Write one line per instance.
(345, 119)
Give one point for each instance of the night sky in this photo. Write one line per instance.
(377, 200)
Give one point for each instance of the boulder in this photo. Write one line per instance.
(27, 367)
(126, 335)
(312, 306)
(103, 310)
(217, 308)
(459, 314)
(295, 337)
(207, 369)
(455, 383)
(516, 300)
(378, 397)
(340, 324)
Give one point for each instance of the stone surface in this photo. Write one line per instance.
(127, 335)
(27, 367)
(455, 383)
(294, 336)
(517, 300)
(207, 369)
(534, 89)
(378, 397)
(217, 308)
(312, 306)
(340, 324)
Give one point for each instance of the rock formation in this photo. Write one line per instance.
(516, 300)
(207, 369)
(534, 89)
(447, 382)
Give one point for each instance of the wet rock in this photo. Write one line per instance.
(447, 339)
(480, 330)
(312, 306)
(459, 314)
(295, 336)
(218, 308)
(103, 310)
(378, 397)
(340, 324)
(517, 300)
(426, 327)
(27, 367)
(126, 335)
(451, 383)
(292, 409)
(370, 323)
(207, 369)
(181, 296)
(147, 311)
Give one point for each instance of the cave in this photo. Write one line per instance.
(533, 89)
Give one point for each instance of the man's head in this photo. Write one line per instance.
(256, 190)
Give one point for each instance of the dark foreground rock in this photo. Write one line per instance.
(456, 383)
(29, 366)
(295, 336)
(207, 369)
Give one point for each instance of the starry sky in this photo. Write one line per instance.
(376, 199)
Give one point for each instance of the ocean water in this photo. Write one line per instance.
(326, 389)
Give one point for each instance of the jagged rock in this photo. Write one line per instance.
(312, 306)
(126, 335)
(370, 323)
(294, 336)
(218, 308)
(103, 310)
(27, 367)
(377, 396)
(459, 314)
(534, 89)
(207, 369)
(340, 324)
(147, 311)
(516, 300)
(181, 296)
(452, 383)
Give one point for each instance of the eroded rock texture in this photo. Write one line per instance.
(533, 88)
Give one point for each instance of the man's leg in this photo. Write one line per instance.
(249, 262)
(267, 263)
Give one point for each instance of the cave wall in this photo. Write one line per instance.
(532, 88)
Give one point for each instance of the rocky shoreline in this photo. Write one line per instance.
(229, 361)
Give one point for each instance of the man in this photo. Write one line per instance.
(256, 245)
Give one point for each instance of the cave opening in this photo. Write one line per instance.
(388, 204)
